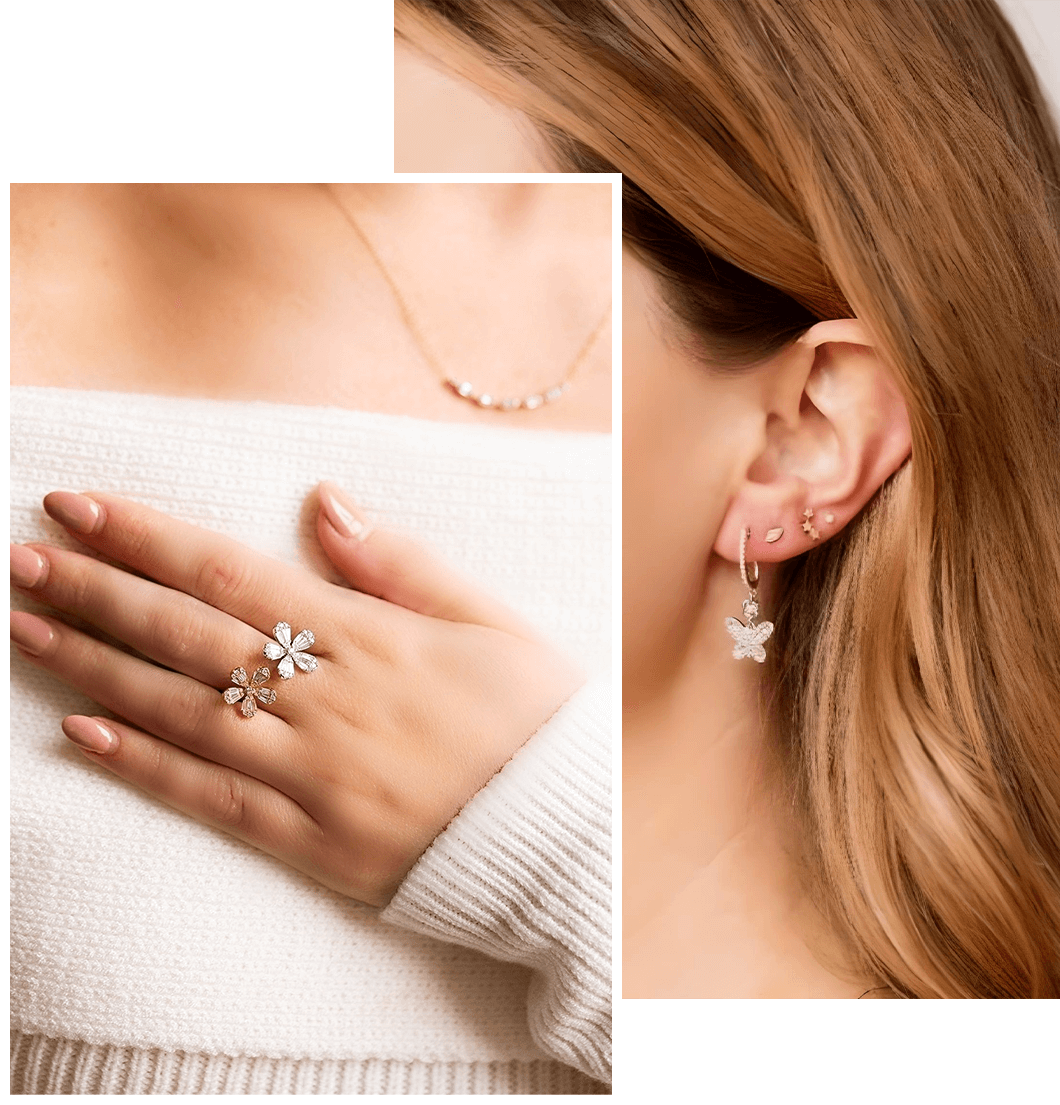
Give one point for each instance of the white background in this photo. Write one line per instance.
(1037, 22)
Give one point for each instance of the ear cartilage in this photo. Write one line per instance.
(775, 534)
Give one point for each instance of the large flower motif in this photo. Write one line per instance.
(250, 689)
(291, 652)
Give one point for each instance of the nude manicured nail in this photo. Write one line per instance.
(30, 633)
(342, 514)
(77, 512)
(27, 566)
(88, 733)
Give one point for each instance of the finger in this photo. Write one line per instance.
(168, 626)
(226, 799)
(172, 706)
(396, 569)
(209, 566)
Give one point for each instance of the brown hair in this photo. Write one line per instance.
(787, 161)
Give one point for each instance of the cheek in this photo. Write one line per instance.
(442, 124)
(678, 474)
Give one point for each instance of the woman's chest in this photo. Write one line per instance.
(94, 309)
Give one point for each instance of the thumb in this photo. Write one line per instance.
(392, 567)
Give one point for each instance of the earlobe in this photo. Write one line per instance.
(835, 428)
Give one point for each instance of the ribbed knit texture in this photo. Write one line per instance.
(524, 874)
(42, 1065)
(154, 955)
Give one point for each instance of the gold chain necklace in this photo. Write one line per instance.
(464, 389)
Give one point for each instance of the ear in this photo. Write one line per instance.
(834, 427)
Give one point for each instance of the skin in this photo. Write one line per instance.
(443, 124)
(713, 902)
(264, 291)
(424, 688)
(357, 765)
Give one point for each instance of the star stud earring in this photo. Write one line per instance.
(807, 527)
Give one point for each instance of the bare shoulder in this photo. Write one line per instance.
(97, 276)
(66, 249)
(52, 222)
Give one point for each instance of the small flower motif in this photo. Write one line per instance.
(290, 652)
(250, 689)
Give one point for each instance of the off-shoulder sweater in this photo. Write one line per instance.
(152, 954)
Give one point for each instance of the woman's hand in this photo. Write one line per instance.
(424, 687)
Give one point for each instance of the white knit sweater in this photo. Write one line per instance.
(154, 955)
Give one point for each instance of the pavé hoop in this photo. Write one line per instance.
(749, 640)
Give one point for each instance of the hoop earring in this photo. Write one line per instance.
(749, 638)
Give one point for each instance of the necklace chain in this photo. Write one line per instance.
(461, 388)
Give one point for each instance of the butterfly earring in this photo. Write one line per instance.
(749, 638)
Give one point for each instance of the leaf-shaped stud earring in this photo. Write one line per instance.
(290, 652)
(750, 638)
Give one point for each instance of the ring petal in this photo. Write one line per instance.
(282, 633)
(273, 651)
(304, 640)
(233, 694)
(305, 661)
(286, 668)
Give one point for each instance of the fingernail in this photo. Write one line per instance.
(88, 733)
(342, 514)
(30, 632)
(77, 512)
(26, 566)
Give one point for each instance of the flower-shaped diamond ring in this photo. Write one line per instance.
(250, 689)
(290, 652)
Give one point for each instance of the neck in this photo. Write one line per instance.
(713, 905)
(503, 210)
(692, 750)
